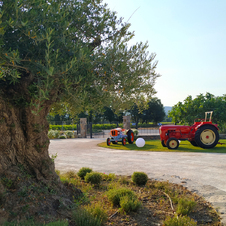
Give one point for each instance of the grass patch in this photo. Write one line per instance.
(155, 145)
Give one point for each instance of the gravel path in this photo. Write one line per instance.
(203, 173)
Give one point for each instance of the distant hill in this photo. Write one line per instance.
(167, 108)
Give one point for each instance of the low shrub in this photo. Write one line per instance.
(139, 178)
(179, 221)
(83, 171)
(53, 134)
(129, 203)
(185, 206)
(108, 177)
(69, 134)
(63, 136)
(135, 131)
(82, 217)
(93, 178)
(114, 195)
(71, 174)
(98, 212)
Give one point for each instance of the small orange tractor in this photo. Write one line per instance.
(119, 135)
(202, 133)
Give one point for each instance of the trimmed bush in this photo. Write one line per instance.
(93, 178)
(185, 206)
(83, 171)
(108, 177)
(98, 212)
(114, 195)
(129, 204)
(139, 178)
(82, 217)
(53, 134)
(179, 221)
(63, 136)
(69, 134)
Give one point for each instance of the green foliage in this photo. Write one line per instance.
(135, 131)
(185, 206)
(63, 136)
(93, 178)
(53, 134)
(129, 203)
(139, 178)
(53, 157)
(191, 109)
(69, 134)
(108, 177)
(65, 127)
(98, 212)
(83, 171)
(76, 50)
(179, 221)
(82, 217)
(7, 182)
(154, 112)
(114, 195)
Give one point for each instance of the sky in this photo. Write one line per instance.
(189, 38)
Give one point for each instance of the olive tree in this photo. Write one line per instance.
(61, 51)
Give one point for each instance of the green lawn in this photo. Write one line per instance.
(155, 145)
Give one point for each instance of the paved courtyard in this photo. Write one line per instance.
(203, 173)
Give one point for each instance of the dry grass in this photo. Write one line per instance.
(159, 200)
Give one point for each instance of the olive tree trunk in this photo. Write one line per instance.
(24, 142)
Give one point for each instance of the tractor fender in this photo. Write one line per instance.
(209, 124)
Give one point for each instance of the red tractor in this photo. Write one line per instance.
(202, 133)
(116, 135)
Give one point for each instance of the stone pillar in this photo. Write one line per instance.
(126, 122)
(83, 127)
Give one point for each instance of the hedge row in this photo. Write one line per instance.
(96, 126)
(74, 127)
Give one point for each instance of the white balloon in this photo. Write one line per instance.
(140, 142)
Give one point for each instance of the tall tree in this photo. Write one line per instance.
(191, 109)
(61, 51)
(155, 111)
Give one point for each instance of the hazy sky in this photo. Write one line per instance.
(189, 38)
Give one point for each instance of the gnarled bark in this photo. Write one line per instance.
(28, 180)
(24, 141)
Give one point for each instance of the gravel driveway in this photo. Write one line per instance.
(203, 173)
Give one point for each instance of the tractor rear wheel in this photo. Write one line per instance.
(172, 143)
(123, 141)
(193, 143)
(207, 136)
(130, 136)
(108, 141)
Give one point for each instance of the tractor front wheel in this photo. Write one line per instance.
(163, 143)
(172, 143)
(123, 141)
(130, 136)
(108, 141)
(207, 136)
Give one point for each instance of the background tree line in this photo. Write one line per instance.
(191, 109)
(152, 112)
